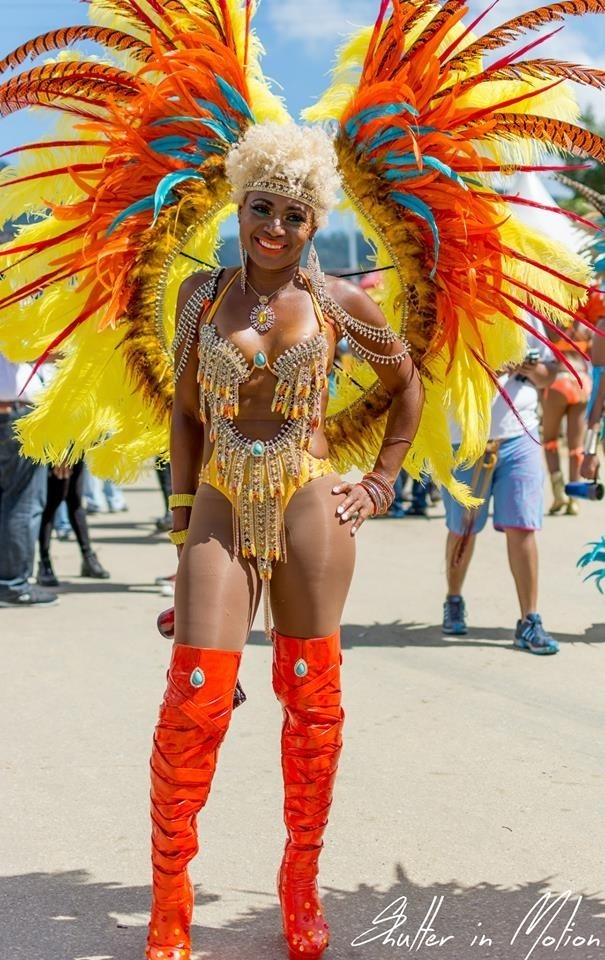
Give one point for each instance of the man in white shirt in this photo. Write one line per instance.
(22, 493)
(511, 473)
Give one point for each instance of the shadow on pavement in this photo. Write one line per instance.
(399, 634)
(63, 916)
(106, 529)
(103, 586)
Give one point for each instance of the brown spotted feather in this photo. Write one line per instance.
(59, 39)
(533, 20)
(566, 136)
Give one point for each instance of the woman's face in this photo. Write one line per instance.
(274, 229)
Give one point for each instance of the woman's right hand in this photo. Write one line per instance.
(357, 505)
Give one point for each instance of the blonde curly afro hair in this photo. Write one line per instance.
(295, 161)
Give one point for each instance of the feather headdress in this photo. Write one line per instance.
(427, 136)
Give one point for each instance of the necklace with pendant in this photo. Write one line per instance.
(262, 316)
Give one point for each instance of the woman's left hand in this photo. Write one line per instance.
(589, 467)
(357, 505)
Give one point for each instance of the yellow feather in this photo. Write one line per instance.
(92, 405)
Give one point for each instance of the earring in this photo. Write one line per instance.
(316, 275)
(244, 259)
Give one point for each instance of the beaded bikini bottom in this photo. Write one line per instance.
(259, 478)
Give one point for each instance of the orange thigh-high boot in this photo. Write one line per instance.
(193, 721)
(306, 680)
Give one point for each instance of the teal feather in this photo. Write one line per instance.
(164, 194)
(235, 99)
(139, 207)
(596, 555)
(380, 112)
(409, 159)
(422, 210)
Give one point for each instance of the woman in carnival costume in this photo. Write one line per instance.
(595, 308)
(594, 436)
(567, 399)
(156, 144)
(595, 414)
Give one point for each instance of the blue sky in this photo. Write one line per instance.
(300, 37)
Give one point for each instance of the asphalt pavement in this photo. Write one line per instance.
(468, 817)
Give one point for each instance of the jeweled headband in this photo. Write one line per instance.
(284, 188)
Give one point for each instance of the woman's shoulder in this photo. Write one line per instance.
(353, 300)
(341, 289)
(201, 278)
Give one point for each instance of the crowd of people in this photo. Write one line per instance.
(37, 500)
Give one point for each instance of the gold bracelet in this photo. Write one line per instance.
(177, 537)
(180, 500)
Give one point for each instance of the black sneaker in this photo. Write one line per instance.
(46, 575)
(28, 597)
(91, 567)
(164, 524)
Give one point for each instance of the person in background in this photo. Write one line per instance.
(566, 399)
(96, 491)
(62, 525)
(22, 492)
(595, 417)
(164, 524)
(66, 484)
(510, 472)
(162, 471)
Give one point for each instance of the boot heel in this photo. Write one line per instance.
(305, 929)
(169, 937)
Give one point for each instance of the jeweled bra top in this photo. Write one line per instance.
(300, 371)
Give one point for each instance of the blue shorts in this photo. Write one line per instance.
(516, 486)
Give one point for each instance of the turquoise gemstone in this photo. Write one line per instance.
(197, 678)
(260, 359)
(258, 448)
(301, 668)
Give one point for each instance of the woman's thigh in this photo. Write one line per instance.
(576, 424)
(554, 407)
(217, 592)
(309, 589)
